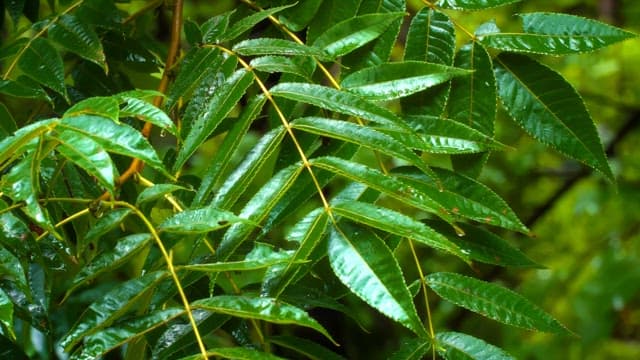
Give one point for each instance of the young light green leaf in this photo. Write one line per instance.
(368, 268)
(23, 90)
(412, 349)
(398, 79)
(549, 109)
(235, 353)
(474, 4)
(116, 138)
(557, 34)
(148, 112)
(493, 301)
(42, 63)
(100, 343)
(267, 309)
(110, 307)
(157, 191)
(309, 349)
(88, 155)
(338, 101)
(249, 22)
(126, 249)
(105, 106)
(282, 64)
(74, 35)
(197, 63)
(395, 223)
(458, 346)
(348, 35)
(270, 46)
(197, 221)
(218, 107)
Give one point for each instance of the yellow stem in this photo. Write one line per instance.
(66, 220)
(426, 296)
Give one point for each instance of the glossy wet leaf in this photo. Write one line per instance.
(493, 301)
(368, 268)
(16, 144)
(103, 312)
(147, 112)
(279, 64)
(244, 265)
(197, 221)
(157, 191)
(301, 14)
(104, 106)
(235, 353)
(398, 79)
(474, 4)
(43, 63)
(22, 90)
(74, 35)
(272, 46)
(431, 37)
(246, 23)
(215, 27)
(197, 63)
(262, 308)
(310, 349)
(179, 336)
(393, 222)
(557, 34)
(218, 107)
(115, 138)
(6, 314)
(348, 35)
(458, 346)
(549, 109)
(98, 344)
(106, 223)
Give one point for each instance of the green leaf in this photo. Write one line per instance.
(483, 246)
(399, 79)
(338, 101)
(557, 34)
(180, 335)
(395, 223)
(104, 106)
(111, 306)
(215, 27)
(115, 138)
(348, 35)
(235, 353)
(244, 265)
(310, 350)
(100, 343)
(106, 223)
(275, 64)
(431, 37)
(6, 314)
(157, 191)
(302, 13)
(23, 90)
(474, 4)
(458, 346)
(368, 268)
(197, 63)
(197, 221)
(463, 196)
(125, 249)
(42, 63)
(269, 46)
(148, 112)
(262, 308)
(9, 350)
(13, 146)
(493, 301)
(549, 109)
(74, 35)
(218, 108)
(411, 349)
(248, 22)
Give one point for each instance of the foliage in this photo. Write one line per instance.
(301, 162)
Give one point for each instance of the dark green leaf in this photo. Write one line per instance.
(106, 223)
(274, 64)
(42, 62)
(493, 301)
(549, 109)
(311, 350)
(103, 106)
(411, 349)
(267, 309)
(235, 353)
(431, 38)
(180, 335)
(474, 4)
(157, 191)
(196, 65)
(147, 112)
(248, 22)
(6, 314)
(74, 35)
(215, 27)
(348, 35)
(399, 79)
(22, 90)
(298, 17)
(9, 350)
(368, 268)
(196, 221)
(13, 146)
(268, 46)
(457, 346)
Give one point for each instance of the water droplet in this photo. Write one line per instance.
(163, 133)
(459, 231)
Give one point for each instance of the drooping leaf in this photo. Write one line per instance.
(221, 103)
(22, 90)
(549, 109)
(116, 138)
(309, 349)
(198, 62)
(196, 221)
(147, 112)
(398, 79)
(103, 312)
(98, 344)
(271, 46)
(458, 346)
(262, 308)
(493, 301)
(104, 106)
(348, 35)
(274, 64)
(474, 4)
(557, 34)
(42, 63)
(157, 191)
(395, 223)
(248, 22)
(368, 268)
(74, 35)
